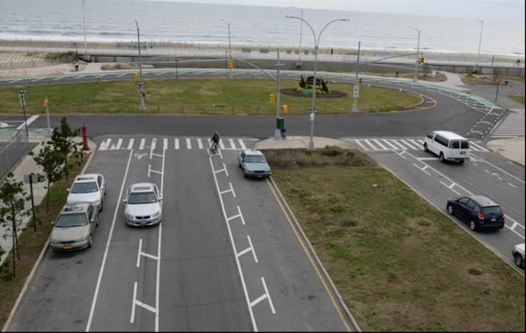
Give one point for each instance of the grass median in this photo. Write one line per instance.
(197, 96)
(31, 243)
(399, 263)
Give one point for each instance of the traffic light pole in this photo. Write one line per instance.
(142, 106)
(356, 84)
(277, 133)
(417, 55)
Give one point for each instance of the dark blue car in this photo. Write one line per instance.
(478, 212)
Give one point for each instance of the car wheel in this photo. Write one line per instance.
(473, 226)
(102, 205)
(450, 210)
(442, 158)
(519, 261)
(461, 162)
(426, 149)
(90, 242)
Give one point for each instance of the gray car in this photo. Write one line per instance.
(518, 254)
(254, 164)
(74, 227)
(143, 205)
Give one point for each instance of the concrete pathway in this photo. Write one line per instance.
(300, 142)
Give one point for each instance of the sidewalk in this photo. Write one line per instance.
(512, 149)
(27, 166)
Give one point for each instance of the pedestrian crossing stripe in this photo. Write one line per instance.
(513, 126)
(406, 144)
(178, 144)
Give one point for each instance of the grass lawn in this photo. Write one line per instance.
(31, 244)
(399, 263)
(199, 96)
(519, 99)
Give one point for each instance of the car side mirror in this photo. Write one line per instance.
(52, 222)
(69, 190)
(160, 198)
(124, 201)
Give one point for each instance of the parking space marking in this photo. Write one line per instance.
(239, 215)
(141, 304)
(249, 249)
(264, 297)
(143, 254)
(225, 170)
(230, 191)
(423, 169)
(105, 258)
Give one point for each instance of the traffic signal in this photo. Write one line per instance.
(360, 81)
(285, 109)
(137, 77)
(273, 98)
(230, 64)
(421, 60)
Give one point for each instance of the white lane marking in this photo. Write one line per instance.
(417, 144)
(423, 169)
(105, 145)
(139, 258)
(165, 144)
(176, 144)
(251, 248)
(265, 296)
(232, 144)
(370, 144)
(130, 144)
(152, 148)
(501, 170)
(239, 215)
(479, 148)
(29, 122)
(409, 145)
(200, 144)
(230, 191)
(361, 145)
(105, 258)
(390, 144)
(158, 289)
(40, 79)
(450, 187)
(117, 146)
(399, 144)
(143, 143)
(222, 144)
(428, 159)
(510, 184)
(242, 144)
(381, 145)
(188, 144)
(132, 319)
(240, 270)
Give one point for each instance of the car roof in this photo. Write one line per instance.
(86, 178)
(141, 187)
(75, 208)
(450, 135)
(253, 152)
(483, 201)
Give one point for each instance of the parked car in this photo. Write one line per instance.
(254, 164)
(518, 254)
(143, 205)
(74, 227)
(88, 189)
(478, 212)
(448, 146)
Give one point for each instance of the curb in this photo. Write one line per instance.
(318, 261)
(35, 267)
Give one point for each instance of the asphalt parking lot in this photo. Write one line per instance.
(485, 174)
(225, 258)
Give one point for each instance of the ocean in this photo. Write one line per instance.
(114, 20)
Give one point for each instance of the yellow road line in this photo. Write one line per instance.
(310, 258)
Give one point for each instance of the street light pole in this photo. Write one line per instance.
(480, 41)
(417, 55)
(22, 95)
(141, 83)
(313, 110)
(356, 94)
(229, 47)
(84, 23)
(277, 133)
(301, 35)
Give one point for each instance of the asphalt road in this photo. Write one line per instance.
(225, 257)
(486, 174)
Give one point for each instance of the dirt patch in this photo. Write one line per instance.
(206, 92)
(332, 94)
(124, 66)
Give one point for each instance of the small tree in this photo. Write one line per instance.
(303, 83)
(51, 162)
(63, 141)
(13, 210)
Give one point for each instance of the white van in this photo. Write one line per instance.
(448, 146)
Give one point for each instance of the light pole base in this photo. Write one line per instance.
(311, 145)
(354, 108)
(277, 135)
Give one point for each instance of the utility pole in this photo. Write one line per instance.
(314, 110)
(85, 39)
(229, 49)
(141, 83)
(279, 120)
(22, 95)
(357, 82)
(480, 42)
(417, 55)
(299, 64)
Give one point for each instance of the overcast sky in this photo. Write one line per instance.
(502, 10)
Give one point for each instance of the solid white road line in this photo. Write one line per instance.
(501, 170)
(105, 258)
(158, 289)
(29, 122)
(165, 144)
(130, 145)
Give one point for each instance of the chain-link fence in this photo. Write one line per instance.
(12, 151)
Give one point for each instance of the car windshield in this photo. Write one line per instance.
(255, 159)
(142, 198)
(71, 220)
(492, 210)
(81, 188)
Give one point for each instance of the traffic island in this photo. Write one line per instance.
(399, 263)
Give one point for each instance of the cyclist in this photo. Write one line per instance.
(215, 142)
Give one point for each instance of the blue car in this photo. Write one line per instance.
(254, 164)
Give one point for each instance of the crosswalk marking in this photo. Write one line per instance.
(513, 126)
(152, 144)
(400, 144)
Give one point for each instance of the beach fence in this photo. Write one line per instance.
(12, 150)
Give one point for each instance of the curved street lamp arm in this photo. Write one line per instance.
(307, 23)
(328, 24)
